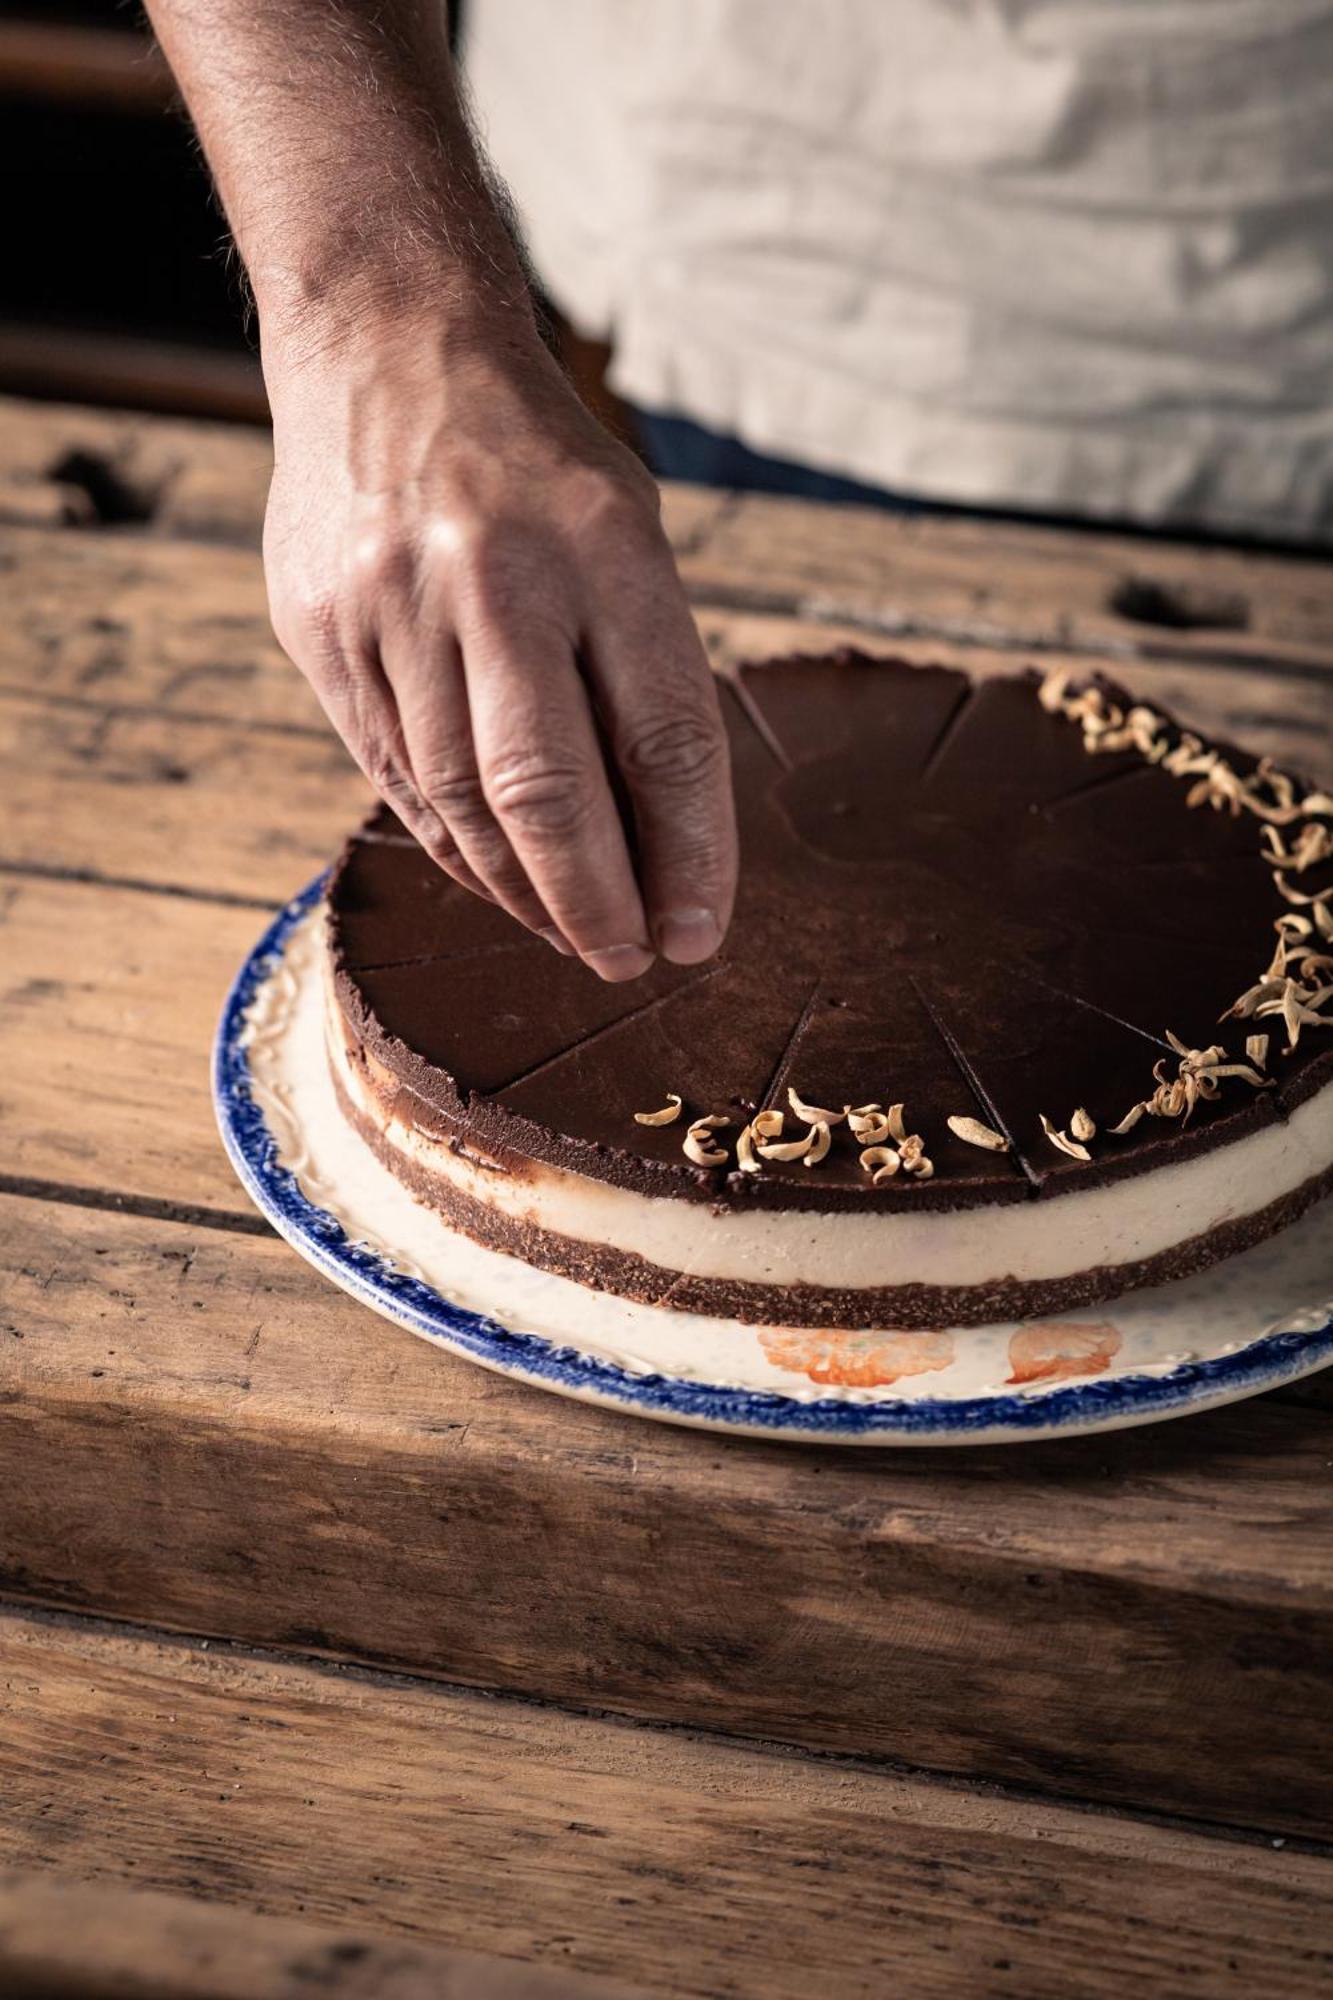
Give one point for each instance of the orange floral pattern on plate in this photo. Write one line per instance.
(855, 1360)
(1056, 1352)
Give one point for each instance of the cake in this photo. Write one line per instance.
(1025, 1003)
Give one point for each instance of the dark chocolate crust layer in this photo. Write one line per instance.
(944, 899)
(604, 1269)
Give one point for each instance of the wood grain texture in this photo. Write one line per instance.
(197, 1431)
(1015, 584)
(691, 1867)
(69, 1940)
(184, 478)
(129, 622)
(65, 463)
(108, 1003)
(216, 808)
(150, 730)
(977, 581)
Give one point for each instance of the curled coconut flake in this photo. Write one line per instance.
(880, 1162)
(897, 1129)
(696, 1146)
(1130, 1119)
(745, 1158)
(668, 1115)
(973, 1133)
(1061, 1140)
(768, 1124)
(1083, 1125)
(820, 1141)
(813, 1114)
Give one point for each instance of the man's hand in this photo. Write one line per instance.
(469, 570)
(472, 574)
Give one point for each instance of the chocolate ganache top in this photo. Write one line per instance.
(945, 901)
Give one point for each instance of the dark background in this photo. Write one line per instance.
(115, 285)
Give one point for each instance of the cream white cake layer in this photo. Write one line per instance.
(1120, 1224)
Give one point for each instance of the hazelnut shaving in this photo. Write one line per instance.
(1061, 1140)
(868, 1123)
(973, 1133)
(880, 1162)
(696, 1147)
(1291, 895)
(1083, 1125)
(1218, 788)
(820, 1141)
(786, 1149)
(1051, 693)
(812, 1114)
(1314, 843)
(666, 1116)
(912, 1153)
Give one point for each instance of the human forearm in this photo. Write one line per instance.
(345, 164)
(468, 569)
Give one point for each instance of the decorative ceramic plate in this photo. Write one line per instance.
(1261, 1318)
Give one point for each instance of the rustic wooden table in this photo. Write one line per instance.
(304, 1617)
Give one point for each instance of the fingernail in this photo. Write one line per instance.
(686, 936)
(558, 943)
(620, 961)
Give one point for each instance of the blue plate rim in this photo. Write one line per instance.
(319, 1236)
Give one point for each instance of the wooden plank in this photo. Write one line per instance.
(108, 1002)
(125, 621)
(215, 808)
(40, 357)
(692, 1867)
(199, 1432)
(67, 1940)
(1013, 583)
(74, 63)
(184, 478)
(131, 622)
(150, 730)
(973, 580)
